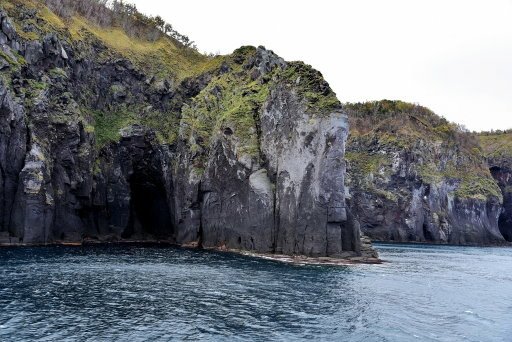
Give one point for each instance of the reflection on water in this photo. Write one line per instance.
(425, 293)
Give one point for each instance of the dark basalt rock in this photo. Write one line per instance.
(13, 146)
(410, 183)
(59, 185)
(425, 212)
(295, 205)
(502, 172)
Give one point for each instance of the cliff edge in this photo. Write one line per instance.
(112, 129)
(415, 177)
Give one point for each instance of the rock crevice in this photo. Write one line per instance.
(414, 177)
(247, 154)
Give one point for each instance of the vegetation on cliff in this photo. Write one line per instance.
(120, 130)
(402, 124)
(439, 151)
(497, 146)
(231, 90)
(126, 33)
(230, 104)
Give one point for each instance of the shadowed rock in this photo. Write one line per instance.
(246, 154)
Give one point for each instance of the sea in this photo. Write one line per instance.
(163, 293)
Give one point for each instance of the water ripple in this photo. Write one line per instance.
(141, 293)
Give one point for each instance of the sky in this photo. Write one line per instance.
(454, 57)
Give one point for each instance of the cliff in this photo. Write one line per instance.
(108, 135)
(415, 177)
(497, 147)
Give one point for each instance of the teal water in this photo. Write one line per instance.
(137, 293)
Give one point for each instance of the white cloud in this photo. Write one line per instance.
(454, 57)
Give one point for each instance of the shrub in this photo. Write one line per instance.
(121, 14)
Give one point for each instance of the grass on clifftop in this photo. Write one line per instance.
(312, 87)
(228, 105)
(382, 128)
(496, 145)
(405, 123)
(162, 58)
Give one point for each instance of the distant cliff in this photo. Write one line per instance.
(112, 135)
(497, 147)
(415, 177)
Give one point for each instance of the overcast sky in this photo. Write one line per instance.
(452, 56)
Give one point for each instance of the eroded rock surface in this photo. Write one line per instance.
(246, 153)
(414, 177)
(497, 147)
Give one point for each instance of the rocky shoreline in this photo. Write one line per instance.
(244, 151)
(288, 259)
(102, 141)
(415, 177)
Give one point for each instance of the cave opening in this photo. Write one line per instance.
(426, 233)
(505, 226)
(505, 218)
(495, 170)
(150, 214)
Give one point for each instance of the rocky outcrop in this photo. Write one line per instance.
(414, 177)
(246, 153)
(503, 175)
(497, 147)
(291, 193)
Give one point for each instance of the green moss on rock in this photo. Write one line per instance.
(472, 182)
(366, 163)
(439, 151)
(312, 87)
(109, 123)
(228, 105)
(478, 187)
(497, 146)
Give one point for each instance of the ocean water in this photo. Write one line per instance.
(151, 293)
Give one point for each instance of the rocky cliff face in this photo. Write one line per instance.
(498, 150)
(415, 177)
(244, 151)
